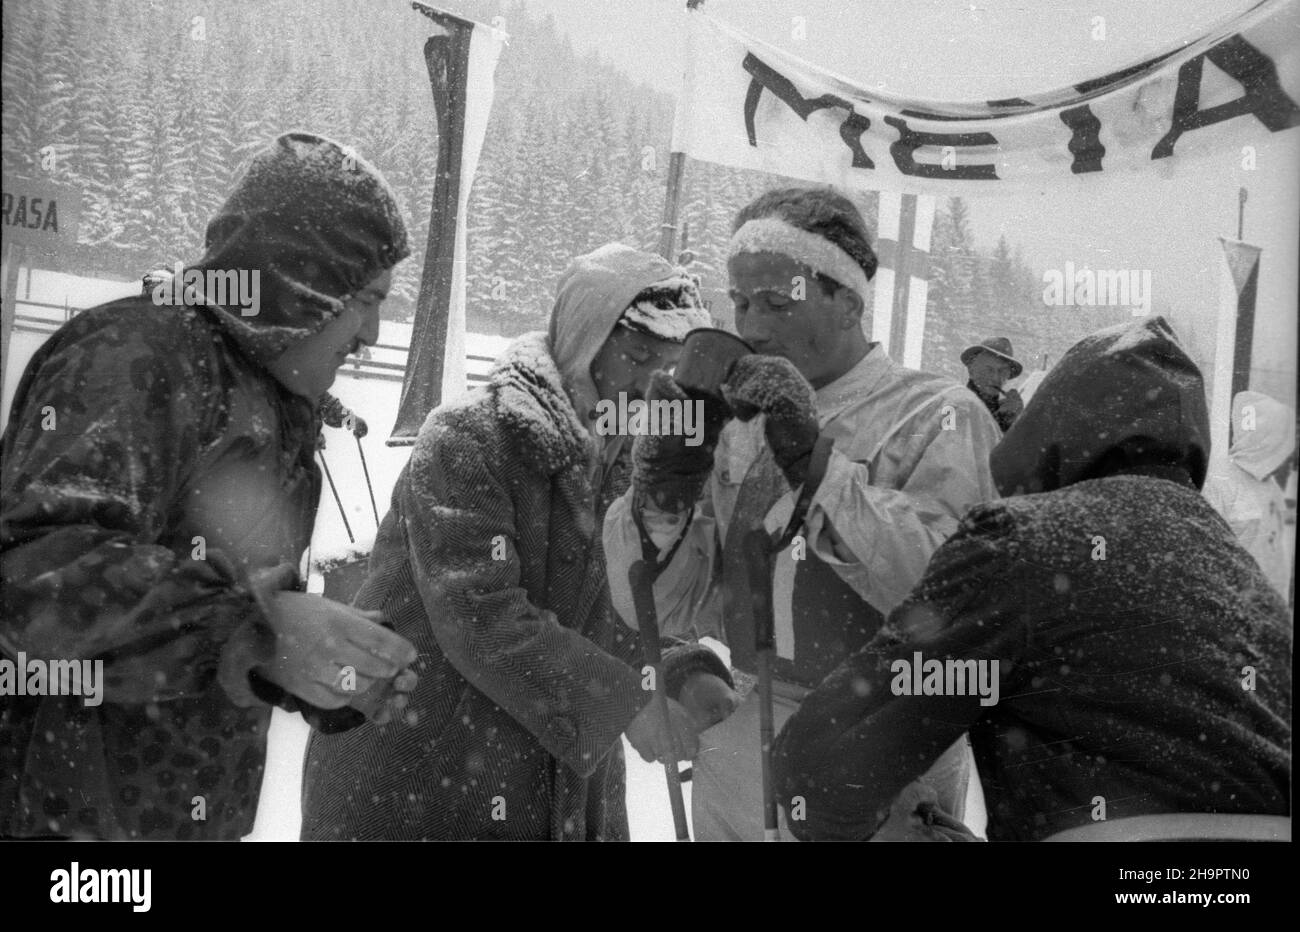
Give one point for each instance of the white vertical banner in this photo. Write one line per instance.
(461, 59)
(1225, 346)
(1238, 271)
(484, 50)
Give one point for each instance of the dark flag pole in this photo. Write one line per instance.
(447, 58)
(673, 191)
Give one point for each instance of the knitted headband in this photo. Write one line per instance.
(772, 234)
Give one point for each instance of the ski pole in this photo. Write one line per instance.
(369, 488)
(641, 576)
(648, 624)
(338, 501)
(759, 560)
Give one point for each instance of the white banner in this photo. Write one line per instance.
(747, 104)
(461, 61)
(484, 50)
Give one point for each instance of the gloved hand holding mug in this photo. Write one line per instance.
(669, 470)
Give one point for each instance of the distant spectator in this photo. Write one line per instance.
(990, 366)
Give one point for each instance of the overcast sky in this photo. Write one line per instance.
(948, 50)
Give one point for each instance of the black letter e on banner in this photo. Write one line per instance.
(909, 140)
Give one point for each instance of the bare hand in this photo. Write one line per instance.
(329, 654)
(386, 699)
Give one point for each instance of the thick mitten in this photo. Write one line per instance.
(773, 387)
(667, 468)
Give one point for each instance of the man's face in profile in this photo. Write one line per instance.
(308, 367)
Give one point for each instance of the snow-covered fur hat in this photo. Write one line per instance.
(669, 309)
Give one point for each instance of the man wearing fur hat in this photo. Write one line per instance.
(903, 455)
(991, 365)
(490, 562)
(159, 489)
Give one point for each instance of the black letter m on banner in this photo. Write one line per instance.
(763, 76)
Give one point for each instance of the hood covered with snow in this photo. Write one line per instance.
(316, 222)
(592, 295)
(1263, 433)
(1127, 399)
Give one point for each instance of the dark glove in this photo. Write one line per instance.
(772, 386)
(359, 426)
(1012, 404)
(331, 410)
(666, 469)
(683, 660)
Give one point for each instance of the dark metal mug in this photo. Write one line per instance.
(706, 361)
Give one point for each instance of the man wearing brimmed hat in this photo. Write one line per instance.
(490, 562)
(904, 455)
(991, 365)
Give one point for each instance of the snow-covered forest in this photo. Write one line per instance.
(153, 108)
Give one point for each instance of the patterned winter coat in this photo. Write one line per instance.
(1143, 659)
(490, 562)
(174, 468)
(154, 474)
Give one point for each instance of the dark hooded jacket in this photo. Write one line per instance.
(158, 483)
(490, 563)
(1143, 659)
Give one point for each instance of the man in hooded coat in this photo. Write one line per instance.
(1143, 661)
(158, 492)
(490, 561)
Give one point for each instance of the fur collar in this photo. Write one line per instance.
(533, 406)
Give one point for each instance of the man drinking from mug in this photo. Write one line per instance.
(904, 455)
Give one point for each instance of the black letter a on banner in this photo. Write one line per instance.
(1253, 70)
